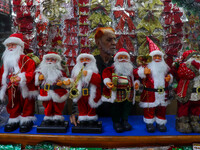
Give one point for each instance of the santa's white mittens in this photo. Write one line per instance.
(105, 81)
(141, 72)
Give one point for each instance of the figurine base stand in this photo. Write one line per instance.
(43, 128)
(87, 128)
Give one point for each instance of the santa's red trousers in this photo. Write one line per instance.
(188, 108)
(159, 112)
(53, 108)
(19, 106)
(84, 107)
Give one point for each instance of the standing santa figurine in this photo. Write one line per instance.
(52, 80)
(119, 80)
(154, 98)
(188, 93)
(88, 85)
(17, 74)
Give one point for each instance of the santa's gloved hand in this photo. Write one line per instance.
(110, 85)
(59, 83)
(41, 77)
(15, 79)
(147, 71)
(85, 72)
(68, 82)
(195, 64)
(168, 78)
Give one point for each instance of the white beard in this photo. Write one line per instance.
(123, 68)
(51, 71)
(158, 71)
(11, 58)
(92, 67)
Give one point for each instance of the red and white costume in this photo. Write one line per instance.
(21, 96)
(91, 83)
(52, 95)
(153, 101)
(187, 91)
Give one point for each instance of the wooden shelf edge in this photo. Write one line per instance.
(98, 141)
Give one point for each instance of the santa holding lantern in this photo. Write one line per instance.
(17, 74)
(154, 98)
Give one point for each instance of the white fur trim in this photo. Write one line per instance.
(156, 52)
(82, 118)
(27, 119)
(149, 121)
(14, 120)
(91, 102)
(14, 40)
(33, 94)
(93, 118)
(171, 80)
(105, 81)
(37, 82)
(52, 56)
(148, 104)
(111, 99)
(55, 97)
(58, 117)
(161, 121)
(83, 55)
(141, 72)
(48, 118)
(121, 53)
(23, 86)
(2, 92)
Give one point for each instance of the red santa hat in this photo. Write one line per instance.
(153, 48)
(121, 51)
(16, 38)
(188, 54)
(52, 55)
(83, 55)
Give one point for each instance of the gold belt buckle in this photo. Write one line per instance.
(46, 87)
(160, 90)
(197, 90)
(85, 92)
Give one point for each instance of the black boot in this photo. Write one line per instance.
(150, 128)
(126, 125)
(26, 127)
(11, 127)
(58, 122)
(118, 127)
(161, 128)
(48, 122)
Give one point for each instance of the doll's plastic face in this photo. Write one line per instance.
(107, 42)
(51, 60)
(122, 58)
(85, 60)
(157, 58)
(11, 46)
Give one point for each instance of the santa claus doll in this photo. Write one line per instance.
(17, 74)
(52, 80)
(119, 80)
(187, 93)
(155, 78)
(88, 84)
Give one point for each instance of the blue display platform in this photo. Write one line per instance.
(139, 128)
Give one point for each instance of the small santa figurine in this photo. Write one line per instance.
(119, 80)
(85, 73)
(52, 80)
(154, 98)
(17, 82)
(188, 93)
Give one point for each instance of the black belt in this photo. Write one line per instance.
(160, 90)
(50, 87)
(196, 90)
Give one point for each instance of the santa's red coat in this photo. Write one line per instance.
(27, 68)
